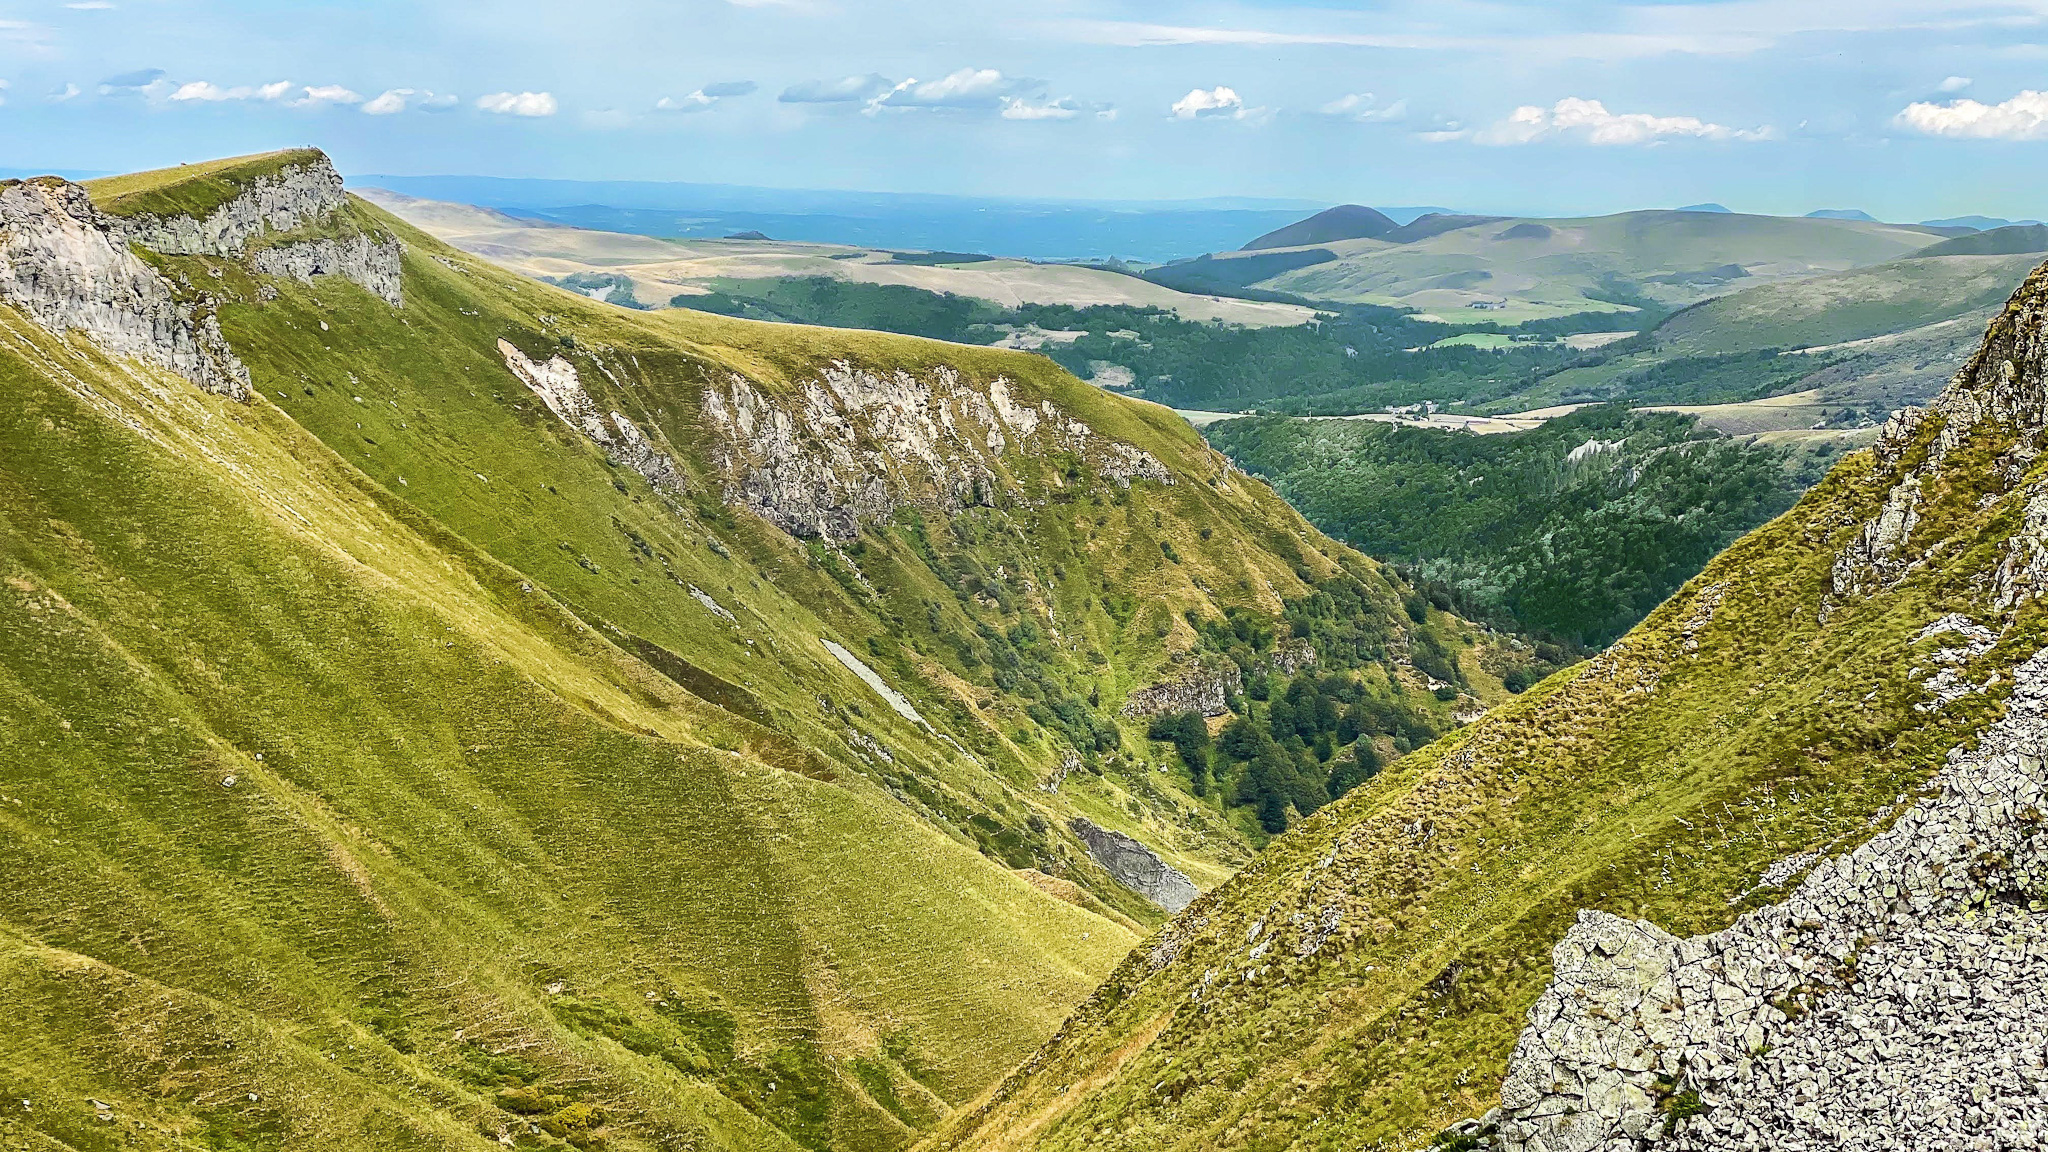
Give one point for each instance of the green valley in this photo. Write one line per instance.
(446, 711)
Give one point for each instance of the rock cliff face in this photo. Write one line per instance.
(297, 194)
(1136, 867)
(854, 446)
(374, 262)
(67, 268)
(70, 265)
(1204, 690)
(561, 389)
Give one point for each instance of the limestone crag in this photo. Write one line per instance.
(374, 262)
(561, 389)
(1136, 867)
(64, 266)
(2005, 383)
(1898, 998)
(854, 446)
(296, 194)
(1204, 689)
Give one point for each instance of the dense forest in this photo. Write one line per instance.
(1306, 731)
(1574, 530)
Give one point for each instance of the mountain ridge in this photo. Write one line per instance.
(430, 738)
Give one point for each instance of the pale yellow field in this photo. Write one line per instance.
(661, 269)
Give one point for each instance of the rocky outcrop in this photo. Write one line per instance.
(1136, 867)
(1291, 656)
(67, 268)
(561, 389)
(854, 446)
(1898, 998)
(296, 194)
(374, 262)
(1204, 689)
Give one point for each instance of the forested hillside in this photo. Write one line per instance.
(1574, 530)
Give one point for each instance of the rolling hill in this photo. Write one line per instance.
(659, 269)
(1768, 871)
(445, 711)
(1508, 270)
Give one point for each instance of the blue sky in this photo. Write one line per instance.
(1908, 110)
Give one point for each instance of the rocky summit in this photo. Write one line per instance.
(1768, 873)
(446, 711)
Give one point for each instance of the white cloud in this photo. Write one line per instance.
(4, 86)
(90, 6)
(1956, 83)
(1065, 108)
(2024, 117)
(318, 95)
(849, 90)
(706, 98)
(694, 102)
(392, 101)
(388, 102)
(967, 88)
(207, 92)
(1219, 102)
(67, 92)
(518, 103)
(1589, 122)
(1364, 108)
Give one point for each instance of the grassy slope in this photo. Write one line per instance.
(1730, 730)
(416, 596)
(191, 189)
(1856, 305)
(1908, 323)
(1557, 272)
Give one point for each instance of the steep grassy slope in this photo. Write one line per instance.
(391, 762)
(1363, 983)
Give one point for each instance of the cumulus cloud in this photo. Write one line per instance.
(1210, 103)
(60, 95)
(1956, 83)
(518, 103)
(392, 101)
(848, 90)
(1589, 122)
(322, 94)
(1065, 108)
(2024, 117)
(207, 92)
(4, 86)
(726, 89)
(388, 102)
(967, 88)
(1364, 108)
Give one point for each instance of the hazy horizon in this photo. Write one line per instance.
(1543, 109)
